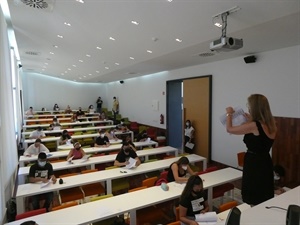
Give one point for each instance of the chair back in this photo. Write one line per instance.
(149, 182)
(234, 217)
(177, 213)
(30, 213)
(137, 189)
(209, 169)
(240, 158)
(101, 197)
(69, 204)
(89, 171)
(164, 174)
(175, 223)
(227, 205)
(111, 167)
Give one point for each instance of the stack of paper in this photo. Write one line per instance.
(208, 218)
(131, 164)
(238, 117)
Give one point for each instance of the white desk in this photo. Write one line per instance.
(60, 154)
(259, 215)
(26, 190)
(72, 129)
(56, 139)
(24, 171)
(129, 202)
(223, 215)
(47, 120)
(77, 123)
(49, 115)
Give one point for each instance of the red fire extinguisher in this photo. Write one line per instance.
(162, 119)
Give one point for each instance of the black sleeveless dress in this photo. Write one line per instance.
(170, 176)
(258, 178)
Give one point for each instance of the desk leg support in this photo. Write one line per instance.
(20, 205)
(209, 198)
(108, 187)
(132, 217)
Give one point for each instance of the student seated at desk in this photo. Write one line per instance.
(193, 200)
(64, 138)
(122, 127)
(54, 125)
(77, 152)
(68, 110)
(38, 133)
(30, 222)
(36, 148)
(79, 113)
(143, 136)
(102, 116)
(110, 134)
(29, 113)
(102, 140)
(91, 109)
(125, 153)
(129, 141)
(177, 170)
(42, 171)
(55, 107)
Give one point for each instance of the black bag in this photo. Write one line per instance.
(119, 221)
(11, 210)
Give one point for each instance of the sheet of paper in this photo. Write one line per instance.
(238, 117)
(70, 159)
(46, 184)
(189, 145)
(85, 158)
(206, 217)
(131, 164)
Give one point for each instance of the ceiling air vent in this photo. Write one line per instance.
(206, 54)
(36, 4)
(32, 53)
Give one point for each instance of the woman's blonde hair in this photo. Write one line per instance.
(259, 109)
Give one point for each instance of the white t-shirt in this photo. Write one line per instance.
(188, 131)
(37, 134)
(32, 150)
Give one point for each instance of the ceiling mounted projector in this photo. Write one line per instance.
(224, 43)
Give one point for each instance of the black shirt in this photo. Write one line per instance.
(194, 204)
(42, 172)
(122, 157)
(79, 113)
(102, 141)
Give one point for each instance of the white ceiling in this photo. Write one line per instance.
(263, 25)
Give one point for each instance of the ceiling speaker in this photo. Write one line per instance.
(250, 59)
(121, 81)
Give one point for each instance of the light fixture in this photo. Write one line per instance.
(60, 36)
(67, 24)
(117, 64)
(135, 22)
(149, 51)
(97, 71)
(106, 67)
(131, 58)
(87, 55)
(80, 60)
(178, 40)
(80, 1)
(52, 53)
(111, 38)
(74, 65)
(98, 48)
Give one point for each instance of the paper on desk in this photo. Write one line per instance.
(85, 158)
(70, 159)
(189, 145)
(46, 184)
(206, 217)
(238, 117)
(131, 164)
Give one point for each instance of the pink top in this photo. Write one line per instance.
(76, 153)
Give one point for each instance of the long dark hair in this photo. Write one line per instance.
(193, 180)
(183, 161)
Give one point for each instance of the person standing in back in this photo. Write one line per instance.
(259, 133)
(115, 108)
(188, 135)
(99, 104)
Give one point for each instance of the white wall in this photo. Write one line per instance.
(275, 74)
(43, 91)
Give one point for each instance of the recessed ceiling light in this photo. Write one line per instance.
(106, 67)
(98, 48)
(67, 24)
(90, 74)
(66, 71)
(60, 36)
(218, 24)
(87, 55)
(117, 64)
(69, 68)
(111, 38)
(81, 1)
(178, 40)
(170, 0)
(135, 22)
(51, 53)
(80, 60)
(131, 58)
(80, 78)
(149, 51)
(74, 65)
(46, 63)
(62, 74)
(84, 76)
(97, 71)
(55, 46)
